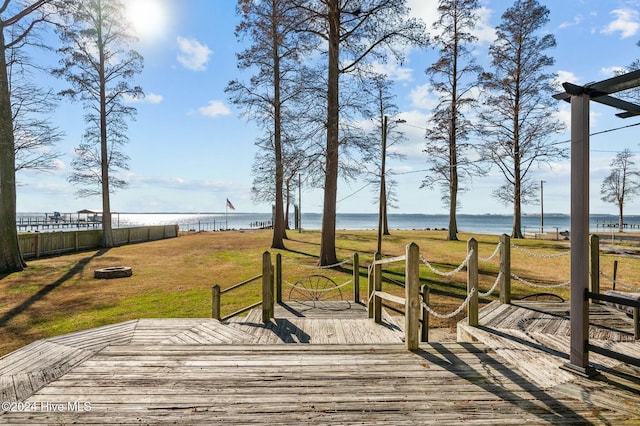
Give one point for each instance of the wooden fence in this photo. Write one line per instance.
(37, 244)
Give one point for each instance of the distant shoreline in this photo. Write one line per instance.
(492, 224)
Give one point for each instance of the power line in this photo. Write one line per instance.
(566, 141)
(353, 193)
(426, 170)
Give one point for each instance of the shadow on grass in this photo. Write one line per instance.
(44, 291)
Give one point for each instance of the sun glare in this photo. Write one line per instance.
(147, 17)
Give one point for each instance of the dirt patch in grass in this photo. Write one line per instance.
(173, 278)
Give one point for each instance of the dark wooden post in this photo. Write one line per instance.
(472, 282)
(579, 352)
(267, 287)
(377, 286)
(356, 278)
(505, 269)
(615, 273)
(594, 262)
(278, 278)
(215, 302)
(412, 296)
(424, 334)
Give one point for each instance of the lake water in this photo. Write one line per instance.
(485, 224)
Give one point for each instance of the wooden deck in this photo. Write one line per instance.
(326, 364)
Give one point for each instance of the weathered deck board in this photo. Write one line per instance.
(536, 337)
(338, 367)
(290, 384)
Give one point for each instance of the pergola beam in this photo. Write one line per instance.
(580, 97)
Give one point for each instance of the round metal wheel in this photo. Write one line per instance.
(315, 288)
(544, 297)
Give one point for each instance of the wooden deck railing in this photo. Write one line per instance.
(411, 300)
(267, 301)
(416, 299)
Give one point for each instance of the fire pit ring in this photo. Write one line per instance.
(113, 272)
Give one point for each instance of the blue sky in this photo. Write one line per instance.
(190, 150)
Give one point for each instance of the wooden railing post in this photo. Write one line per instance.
(424, 331)
(215, 302)
(370, 288)
(615, 274)
(412, 297)
(356, 278)
(594, 262)
(279, 278)
(505, 269)
(377, 286)
(267, 287)
(472, 282)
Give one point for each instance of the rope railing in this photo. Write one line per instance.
(493, 288)
(450, 273)
(531, 284)
(538, 255)
(460, 308)
(302, 265)
(494, 254)
(620, 283)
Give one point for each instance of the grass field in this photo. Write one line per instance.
(173, 278)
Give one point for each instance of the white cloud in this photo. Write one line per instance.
(564, 77)
(427, 10)
(627, 23)
(149, 98)
(193, 55)
(576, 21)
(393, 71)
(485, 32)
(612, 71)
(422, 97)
(214, 109)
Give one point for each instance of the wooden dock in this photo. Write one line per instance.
(322, 364)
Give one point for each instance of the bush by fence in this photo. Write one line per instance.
(36, 244)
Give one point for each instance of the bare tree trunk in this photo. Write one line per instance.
(328, 238)
(517, 208)
(452, 234)
(107, 230)
(385, 217)
(279, 232)
(10, 257)
(620, 217)
(287, 205)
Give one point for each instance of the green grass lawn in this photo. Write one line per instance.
(173, 278)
